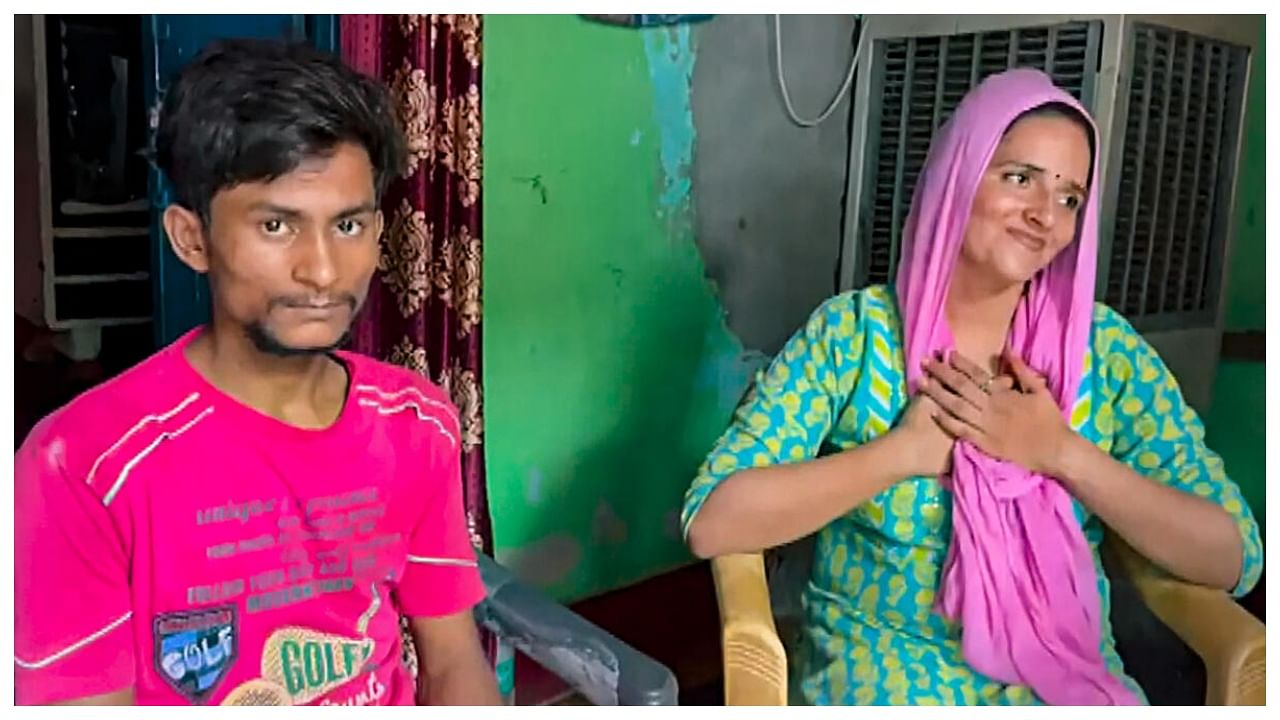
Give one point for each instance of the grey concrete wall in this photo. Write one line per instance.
(768, 193)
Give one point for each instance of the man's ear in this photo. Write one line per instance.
(187, 237)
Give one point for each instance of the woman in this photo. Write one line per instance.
(959, 439)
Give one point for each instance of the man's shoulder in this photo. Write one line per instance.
(133, 408)
(393, 391)
(379, 377)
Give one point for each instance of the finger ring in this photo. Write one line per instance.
(986, 386)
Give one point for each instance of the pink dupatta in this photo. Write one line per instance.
(1019, 575)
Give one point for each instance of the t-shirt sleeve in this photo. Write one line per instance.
(441, 576)
(73, 613)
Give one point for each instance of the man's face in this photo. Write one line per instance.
(290, 260)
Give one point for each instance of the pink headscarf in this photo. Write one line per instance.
(1019, 574)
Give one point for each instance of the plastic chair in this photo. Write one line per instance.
(1230, 641)
(599, 666)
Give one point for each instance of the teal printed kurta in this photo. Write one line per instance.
(871, 636)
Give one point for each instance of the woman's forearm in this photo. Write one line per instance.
(761, 508)
(1182, 533)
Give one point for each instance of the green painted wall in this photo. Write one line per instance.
(608, 368)
(1237, 429)
(1237, 420)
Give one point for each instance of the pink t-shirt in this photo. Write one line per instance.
(171, 539)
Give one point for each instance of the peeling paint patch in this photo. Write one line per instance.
(544, 562)
(726, 371)
(607, 527)
(533, 487)
(671, 56)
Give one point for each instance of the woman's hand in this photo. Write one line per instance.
(926, 448)
(927, 445)
(1021, 424)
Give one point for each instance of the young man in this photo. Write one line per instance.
(244, 517)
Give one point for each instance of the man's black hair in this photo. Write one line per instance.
(253, 110)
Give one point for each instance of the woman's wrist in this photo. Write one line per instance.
(1074, 460)
(904, 452)
(901, 451)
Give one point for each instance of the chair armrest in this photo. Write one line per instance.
(755, 663)
(604, 669)
(1231, 642)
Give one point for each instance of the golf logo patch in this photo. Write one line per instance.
(194, 650)
(300, 665)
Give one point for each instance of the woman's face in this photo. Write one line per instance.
(1028, 200)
